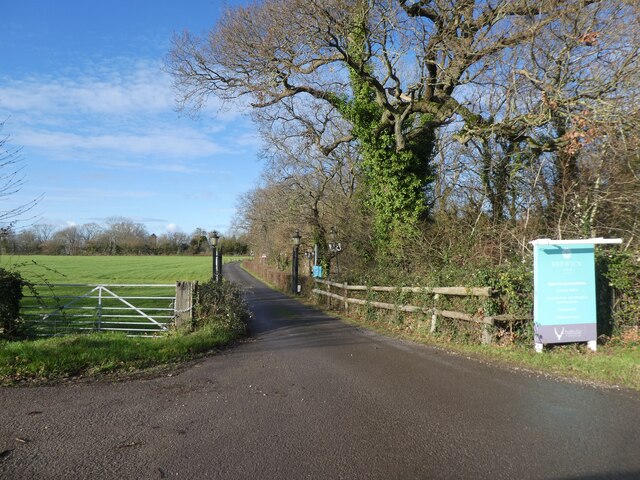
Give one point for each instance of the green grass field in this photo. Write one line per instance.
(77, 355)
(55, 309)
(112, 269)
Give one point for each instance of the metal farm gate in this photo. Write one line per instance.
(68, 308)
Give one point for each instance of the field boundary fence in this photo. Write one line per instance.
(135, 309)
(434, 309)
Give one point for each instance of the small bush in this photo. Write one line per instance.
(221, 304)
(11, 284)
(512, 285)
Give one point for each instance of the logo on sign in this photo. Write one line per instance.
(559, 335)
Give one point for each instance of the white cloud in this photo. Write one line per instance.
(120, 88)
(142, 88)
(184, 143)
(82, 127)
(251, 139)
(123, 113)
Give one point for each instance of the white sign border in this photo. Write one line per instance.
(599, 241)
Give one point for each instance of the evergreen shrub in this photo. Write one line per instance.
(221, 305)
(622, 271)
(11, 284)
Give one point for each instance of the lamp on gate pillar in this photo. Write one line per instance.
(294, 267)
(213, 241)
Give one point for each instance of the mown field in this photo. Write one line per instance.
(77, 355)
(111, 269)
(53, 309)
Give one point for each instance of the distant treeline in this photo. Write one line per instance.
(116, 237)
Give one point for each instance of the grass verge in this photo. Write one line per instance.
(616, 364)
(77, 356)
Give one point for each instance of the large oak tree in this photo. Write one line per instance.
(516, 78)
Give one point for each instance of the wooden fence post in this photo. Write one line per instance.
(346, 297)
(183, 309)
(487, 337)
(434, 315)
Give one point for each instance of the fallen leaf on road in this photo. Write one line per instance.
(127, 445)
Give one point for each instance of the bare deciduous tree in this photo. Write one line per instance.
(11, 181)
(514, 118)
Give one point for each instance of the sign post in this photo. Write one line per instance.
(564, 285)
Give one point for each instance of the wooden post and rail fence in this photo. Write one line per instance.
(345, 295)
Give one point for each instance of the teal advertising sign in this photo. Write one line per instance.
(564, 306)
(317, 271)
(564, 297)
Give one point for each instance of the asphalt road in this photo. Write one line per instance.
(310, 397)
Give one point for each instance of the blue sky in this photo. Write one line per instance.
(83, 93)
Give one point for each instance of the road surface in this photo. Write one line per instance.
(310, 397)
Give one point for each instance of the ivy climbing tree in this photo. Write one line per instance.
(396, 180)
(401, 72)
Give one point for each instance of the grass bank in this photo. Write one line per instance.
(615, 364)
(76, 356)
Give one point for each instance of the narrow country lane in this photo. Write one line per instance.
(310, 397)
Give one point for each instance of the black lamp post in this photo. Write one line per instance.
(294, 267)
(213, 241)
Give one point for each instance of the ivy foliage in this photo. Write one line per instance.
(221, 304)
(397, 181)
(622, 271)
(11, 284)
